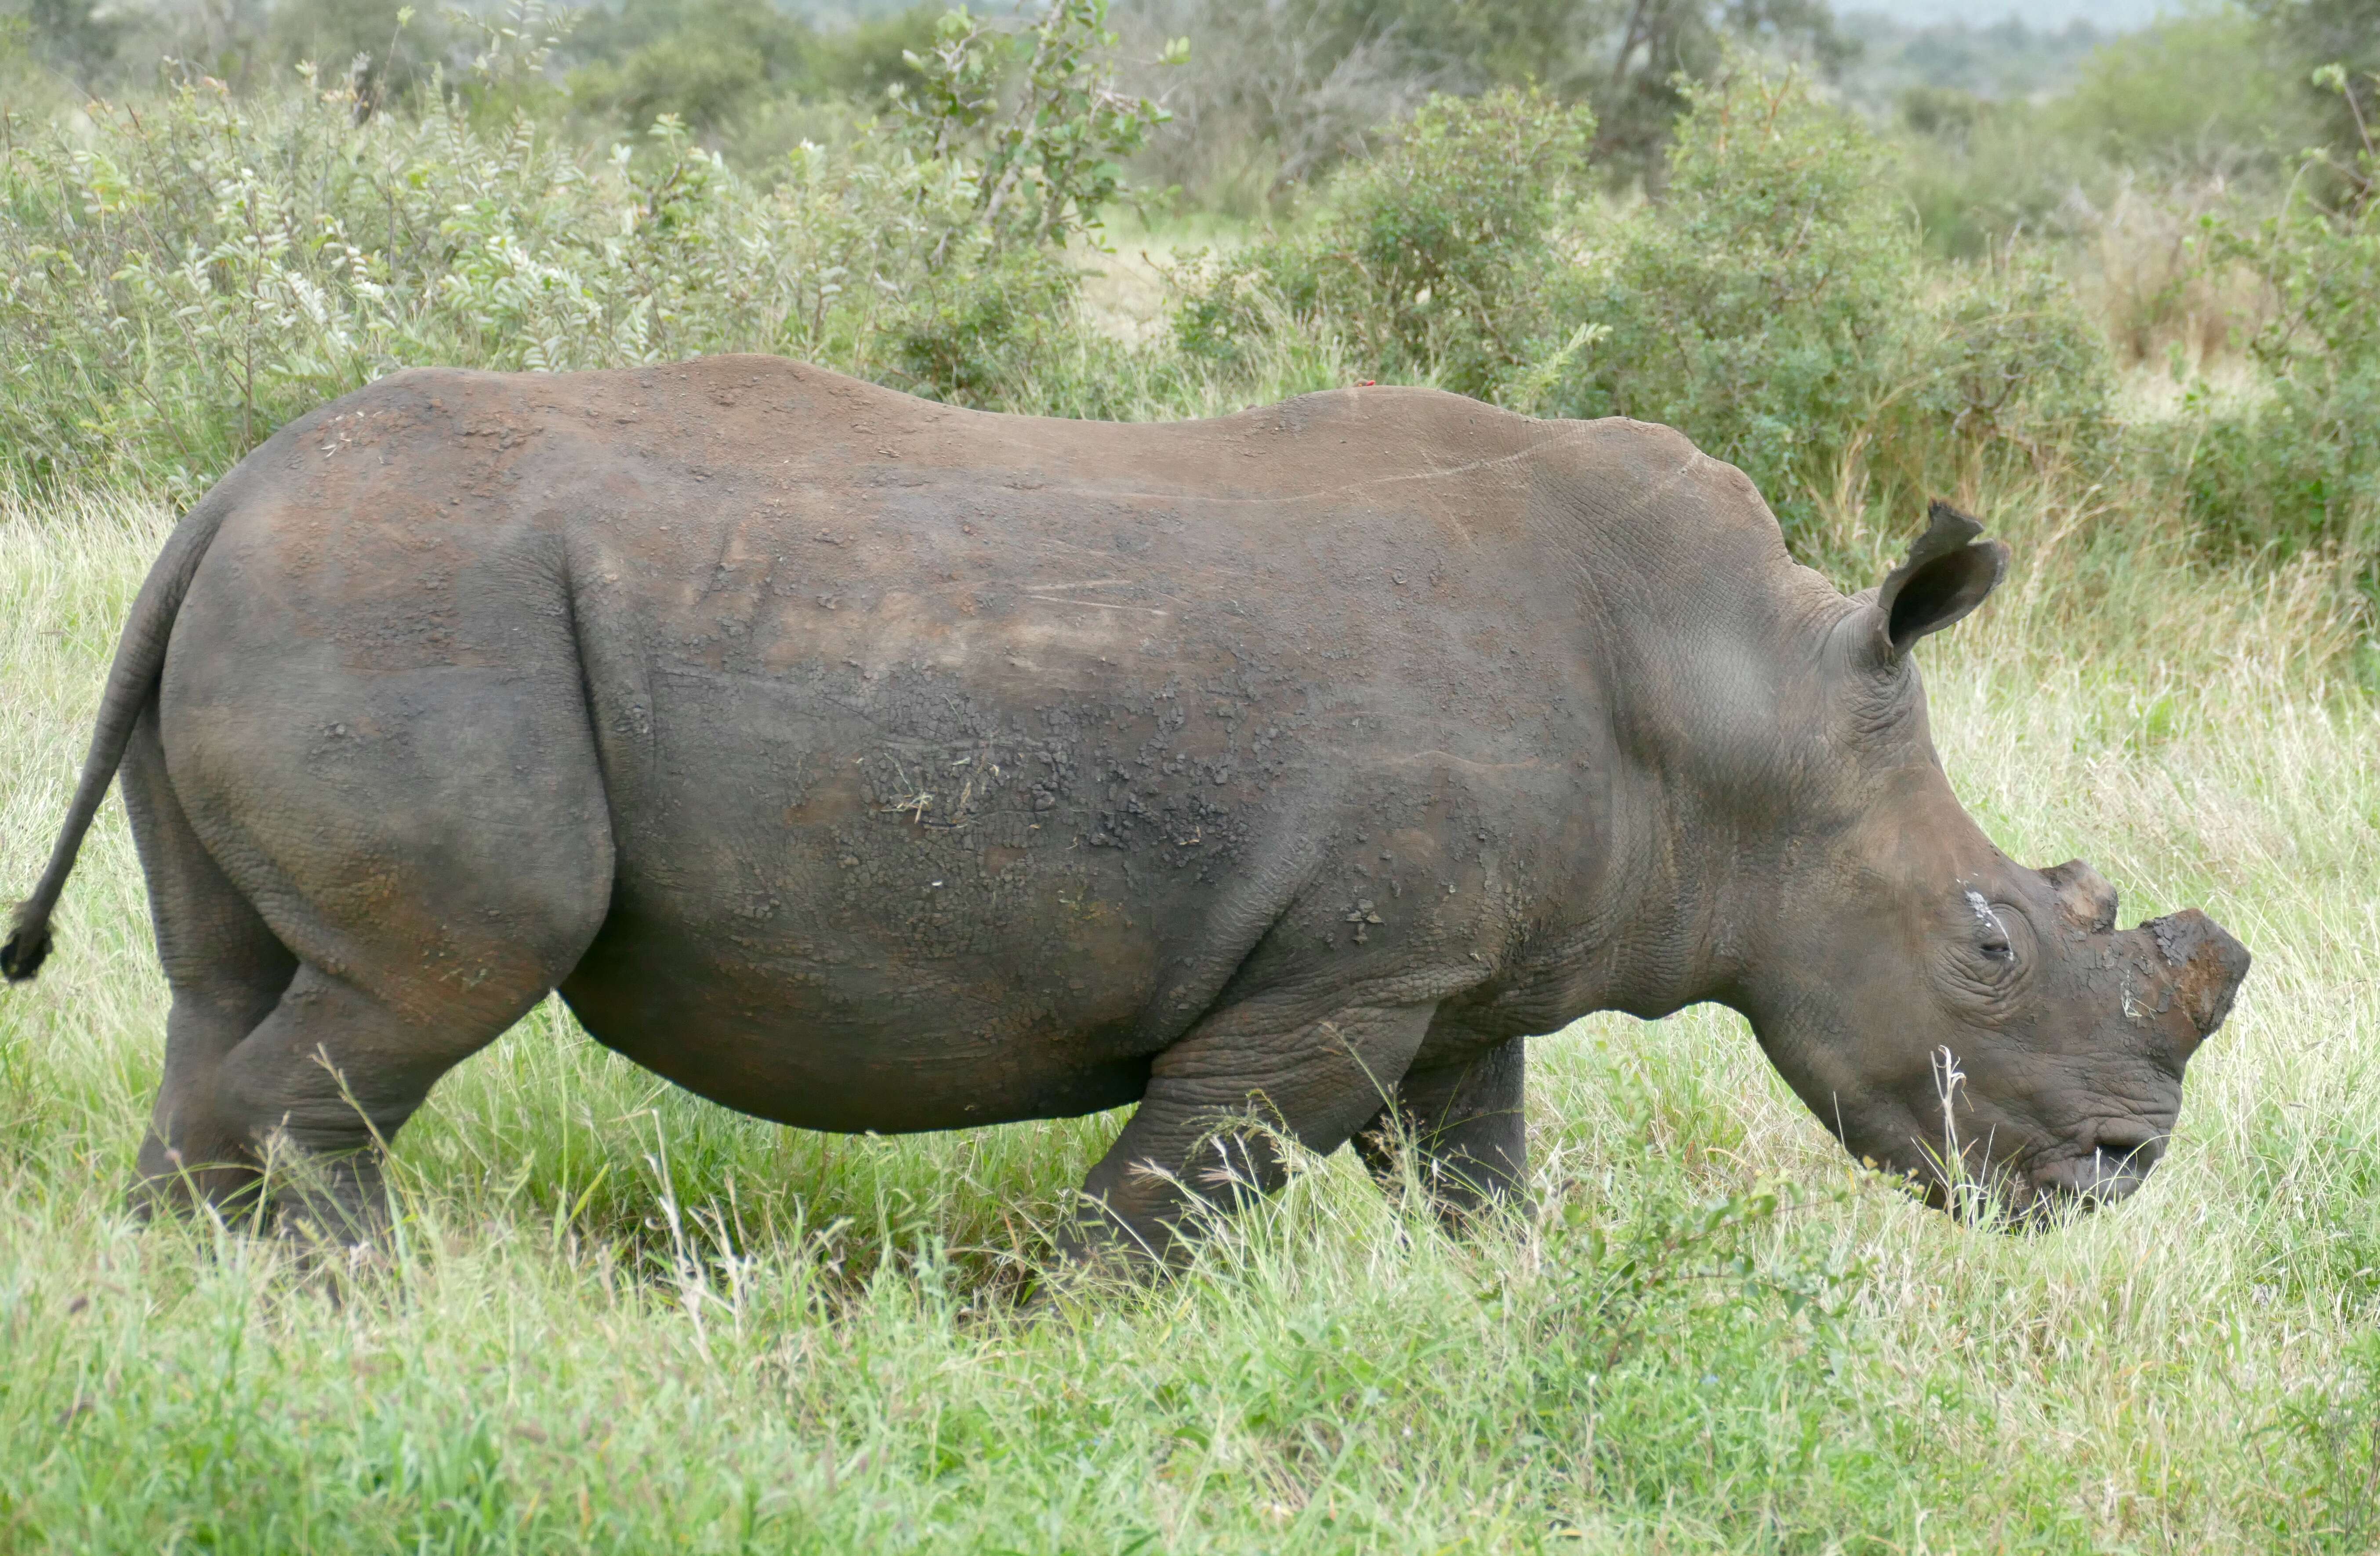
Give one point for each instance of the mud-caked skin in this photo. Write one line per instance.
(865, 763)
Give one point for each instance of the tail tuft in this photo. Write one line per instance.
(28, 945)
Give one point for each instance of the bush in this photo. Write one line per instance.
(1439, 249)
(711, 63)
(1758, 305)
(2297, 467)
(72, 37)
(177, 281)
(1431, 261)
(2003, 355)
(1036, 114)
(1776, 306)
(2315, 36)
(392, 48)
(2199, 94)
(872, 58)
(983, 326)
(1974, 170)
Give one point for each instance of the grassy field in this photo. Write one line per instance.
(618, 1319)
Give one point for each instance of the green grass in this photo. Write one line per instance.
(616, 1319)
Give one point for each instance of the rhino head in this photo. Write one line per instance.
(1950, 1013)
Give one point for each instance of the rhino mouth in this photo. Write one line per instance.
(2037, 1198)
(2112, 1172)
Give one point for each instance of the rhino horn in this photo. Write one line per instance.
(2208, 966)
(2083, 899)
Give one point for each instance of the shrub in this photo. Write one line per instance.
(2202, 94)
(872, 57)
(1775, 306)
(1439, 252)
(982, 326)
(2297, 467)
(392, 48)
(1036, 115)
(2316, 37)
(711, 63)
(1974, 170)
(1431, 260)
(177, 282)
(76, 38)
(2003, 355)
(1274, 95)
(1758, 306)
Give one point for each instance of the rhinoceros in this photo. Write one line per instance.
(867, 763)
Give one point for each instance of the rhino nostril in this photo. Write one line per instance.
(2120, 1162)
(2130, 1145)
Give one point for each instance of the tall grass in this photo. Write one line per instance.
(616, 1319)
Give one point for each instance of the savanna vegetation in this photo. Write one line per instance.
(2132, 317)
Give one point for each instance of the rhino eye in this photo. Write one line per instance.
(1991, 935)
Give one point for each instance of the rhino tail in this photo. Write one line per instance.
(131, 681)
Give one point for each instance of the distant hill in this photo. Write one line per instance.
(836, 13)
(2106, 16)
(1991, 48)
(2005, 59)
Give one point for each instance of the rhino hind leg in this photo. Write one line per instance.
(312, 1017)
(307, 1100)
(1464, 1126)
(1203, 1138)
(314, 1093)
(227, 971)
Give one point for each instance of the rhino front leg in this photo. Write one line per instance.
(1191, 1145)
(1463, 1120)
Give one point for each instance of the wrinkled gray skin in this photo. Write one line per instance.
(865, 763)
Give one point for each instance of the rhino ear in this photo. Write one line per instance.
(1946, 573)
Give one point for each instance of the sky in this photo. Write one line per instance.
(2113, 15)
